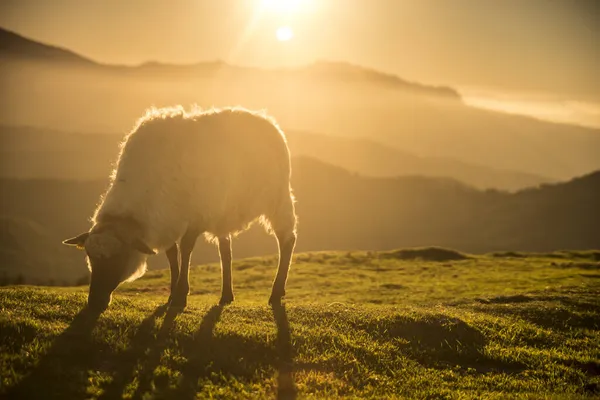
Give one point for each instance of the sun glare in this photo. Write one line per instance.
(282, 6)
(284, 33)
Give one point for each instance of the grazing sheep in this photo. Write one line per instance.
(182, 174)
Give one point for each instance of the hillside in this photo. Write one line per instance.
(339, 210)
(338, 98)
(29, 250)
(373, 325)
(32, 153)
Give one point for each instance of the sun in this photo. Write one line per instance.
(284, 33)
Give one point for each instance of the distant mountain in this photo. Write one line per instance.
(337, 210)
(29, 152)
(337, 98)
(320, 71)
(352, 73)
(16, 46)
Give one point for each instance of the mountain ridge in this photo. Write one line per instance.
(111, 98)
(14, 44)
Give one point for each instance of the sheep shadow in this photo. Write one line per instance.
(286, 388)
(229, 354)
(146, 375)
(198, 354)
(63, 371)
(142, 341)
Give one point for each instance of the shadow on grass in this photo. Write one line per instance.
(152, 361)
(62, 373)
(443, 342)
(286, 389)
(127, 362)
(553, 317)
(199, 355)
(593, 255)
(575, 309)
(212, 358)
(75, 356)
(426, 254)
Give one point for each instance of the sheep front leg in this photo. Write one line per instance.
(227, 280)
(173, 257)
(188, 241)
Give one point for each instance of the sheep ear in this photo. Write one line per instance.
(142, 247)
(77, 241)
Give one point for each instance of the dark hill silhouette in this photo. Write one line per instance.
(29, 152)
(340, 210)
(13, 45)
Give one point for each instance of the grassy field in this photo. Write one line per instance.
(426, 323)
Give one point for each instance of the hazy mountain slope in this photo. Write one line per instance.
(34, 153)
(371, 158)
(336, 98)
(345, 211)
(29, 152)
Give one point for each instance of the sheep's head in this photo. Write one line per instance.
(111, 261)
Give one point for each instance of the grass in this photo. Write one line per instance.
(418, 324)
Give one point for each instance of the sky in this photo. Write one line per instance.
(548, 48)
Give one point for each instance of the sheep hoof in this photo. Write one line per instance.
(226, 299)
(177, 301)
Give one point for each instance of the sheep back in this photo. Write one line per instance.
(219, 169)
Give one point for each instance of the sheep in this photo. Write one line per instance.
(183, 174)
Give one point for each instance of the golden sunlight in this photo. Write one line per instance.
(282, 6)
(284, 33)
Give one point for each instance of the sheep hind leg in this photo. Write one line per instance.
(287, 242)
(284, 227)
(188, 241)
(227, 280)
(173, 257)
